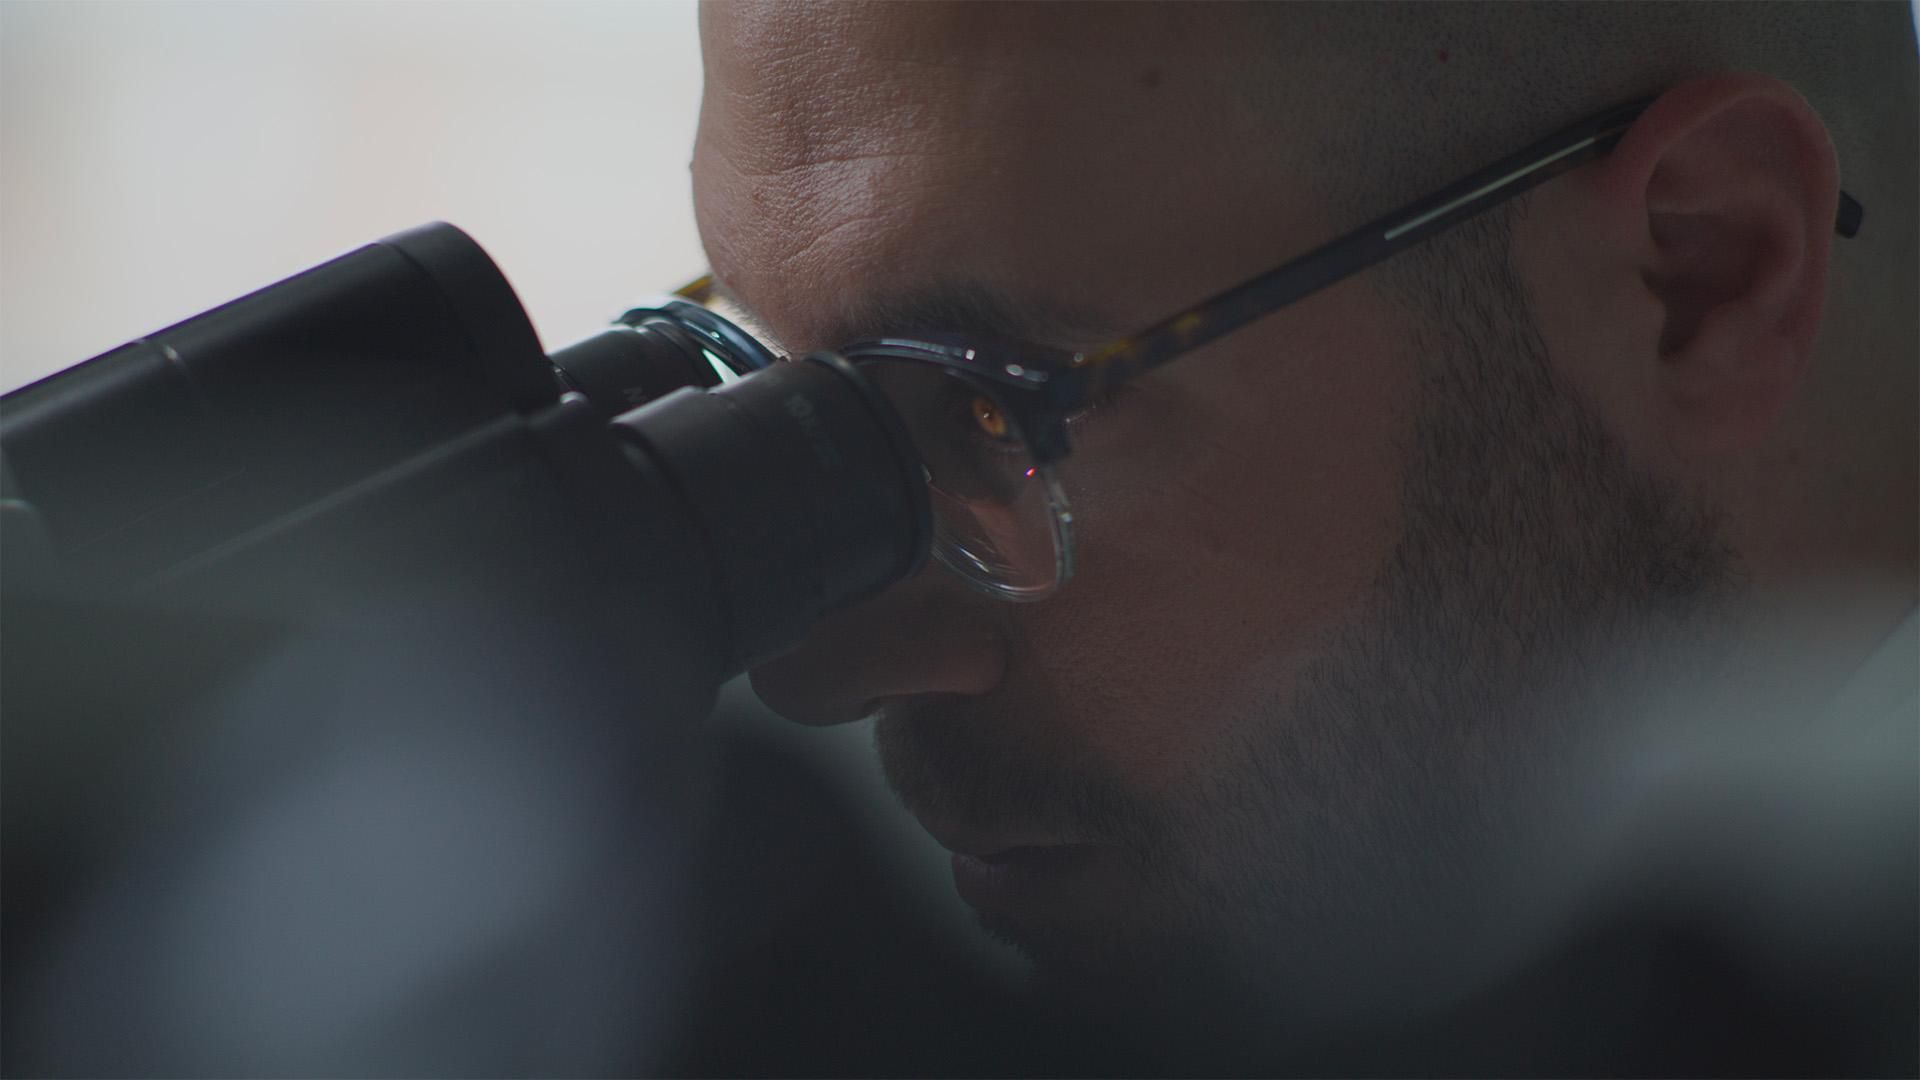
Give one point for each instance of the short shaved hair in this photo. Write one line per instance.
(1384, 103)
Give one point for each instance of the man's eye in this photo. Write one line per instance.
(982, 419)
(986, 413)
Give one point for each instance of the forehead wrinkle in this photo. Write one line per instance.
(832, 91)
(778, 74)
(795, 247)
(813, 193)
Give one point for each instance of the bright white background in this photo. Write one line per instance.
(160, 158)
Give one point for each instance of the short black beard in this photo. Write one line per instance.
(1541, 584)
(1429, 743)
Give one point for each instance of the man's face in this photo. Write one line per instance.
(1298, 704)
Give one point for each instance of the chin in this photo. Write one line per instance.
(1106, 970)
(1140, 1004)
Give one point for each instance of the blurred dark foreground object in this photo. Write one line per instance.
(355, 676)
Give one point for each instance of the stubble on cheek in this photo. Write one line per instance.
(1173, 667)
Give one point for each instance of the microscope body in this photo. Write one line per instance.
(354, 678)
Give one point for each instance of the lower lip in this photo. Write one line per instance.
(1052, 884)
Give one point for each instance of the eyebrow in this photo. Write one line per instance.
(959, 306)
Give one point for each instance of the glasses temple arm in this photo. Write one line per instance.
(1380, 240)
(699, 290)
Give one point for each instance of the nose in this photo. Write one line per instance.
(924, 636)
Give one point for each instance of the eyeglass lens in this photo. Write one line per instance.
(993, 522)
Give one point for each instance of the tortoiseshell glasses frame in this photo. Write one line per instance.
(1037, 389)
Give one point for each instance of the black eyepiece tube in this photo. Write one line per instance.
(799, 476)
(805, 486)
(627, 366)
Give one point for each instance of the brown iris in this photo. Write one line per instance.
(988, 416)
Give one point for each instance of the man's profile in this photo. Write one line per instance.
(1465, 666)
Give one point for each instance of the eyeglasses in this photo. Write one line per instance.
(990, 417)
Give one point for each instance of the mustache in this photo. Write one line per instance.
(949, 759)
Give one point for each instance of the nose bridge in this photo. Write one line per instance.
(928, 635)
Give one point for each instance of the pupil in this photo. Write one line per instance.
(989, 418)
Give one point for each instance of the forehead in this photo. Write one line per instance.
(1101, 160)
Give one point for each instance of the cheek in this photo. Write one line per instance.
(1213, 560)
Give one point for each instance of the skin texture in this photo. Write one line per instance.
(1360, 587)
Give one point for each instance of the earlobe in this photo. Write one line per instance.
(1727, 386)
(1735, 183)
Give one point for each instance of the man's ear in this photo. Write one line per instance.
(1734, 182)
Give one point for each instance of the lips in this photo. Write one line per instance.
(1052, 884)
(994, 843)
